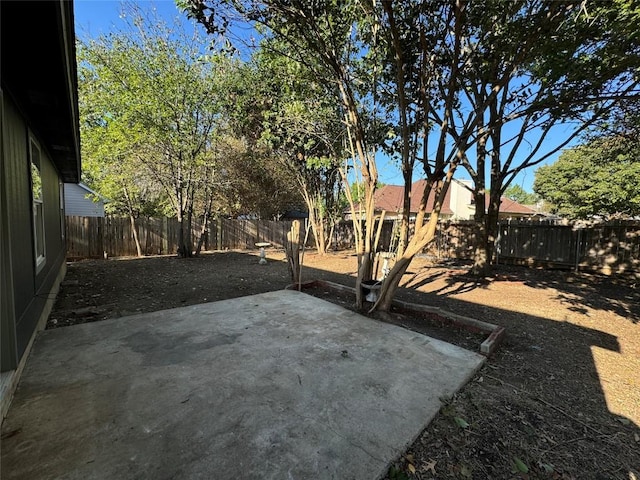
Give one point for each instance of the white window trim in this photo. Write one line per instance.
(63, 232)
(41, 260)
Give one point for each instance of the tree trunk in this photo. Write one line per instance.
(184, 236)
(493, 213)
(292, 248)
(406, 211)
(481, 261)
(421, 239)
(364, 274)
(390, 285)
(329, 238)
(481, 265)
(204, 231)
(134, 230)
(132, 219)
(319, 234)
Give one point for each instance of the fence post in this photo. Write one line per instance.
(164, 229)
(497, 244)
(579, 232)
(101, 237)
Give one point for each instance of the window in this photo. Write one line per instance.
(38, 205)
(61, 200)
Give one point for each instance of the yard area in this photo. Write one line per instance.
(559, 399)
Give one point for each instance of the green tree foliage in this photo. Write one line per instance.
(324, 37)
(599, 179)
(303, 128)
(520, 195)
(150, 111)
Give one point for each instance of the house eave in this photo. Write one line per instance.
(39, 72)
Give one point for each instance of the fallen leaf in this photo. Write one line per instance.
(411, 468)
(547, 467)
(520, 465)
(461, 422)
(430, 466)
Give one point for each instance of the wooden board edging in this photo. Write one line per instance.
(496, 333)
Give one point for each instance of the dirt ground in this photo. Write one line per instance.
(559, 399)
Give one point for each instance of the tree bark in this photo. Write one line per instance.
(493, 213)
(184, 236)
(134, 230)
(292, 248)
(132, 220)
(203, 234)
(421, 239)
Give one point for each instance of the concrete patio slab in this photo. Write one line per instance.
(280, 385)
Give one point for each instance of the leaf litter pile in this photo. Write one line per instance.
(559, 399)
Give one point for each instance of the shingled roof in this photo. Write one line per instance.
(389, 198)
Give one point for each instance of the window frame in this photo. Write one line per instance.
(37, 205)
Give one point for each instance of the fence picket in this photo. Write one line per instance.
(609, 248)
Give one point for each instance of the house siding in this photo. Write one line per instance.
(461, 200)
(30, 292)
(39, 101)
(17, 183)
(77, 203)
(8, 358)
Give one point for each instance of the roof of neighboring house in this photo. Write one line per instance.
(92, 192)
(389, 198)
(511, 206)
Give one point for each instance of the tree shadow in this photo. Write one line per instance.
(543, 397)
(583, 291)
(454, 281)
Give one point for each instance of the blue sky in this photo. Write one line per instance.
(97, 17)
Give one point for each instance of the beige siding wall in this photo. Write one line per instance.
(461, 201)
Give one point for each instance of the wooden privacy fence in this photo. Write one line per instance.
(605, 247)
(98, 237)
(234, 234)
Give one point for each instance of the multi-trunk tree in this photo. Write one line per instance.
(380, 60)
(541, 73)
(158, 91)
